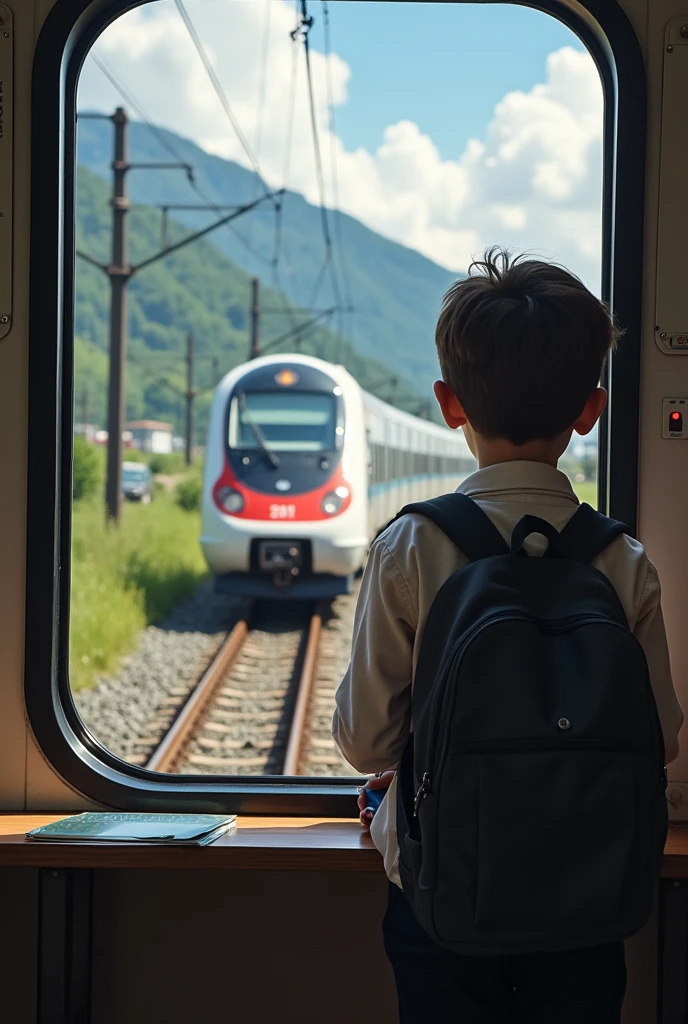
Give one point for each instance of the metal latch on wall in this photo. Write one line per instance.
(6, 111)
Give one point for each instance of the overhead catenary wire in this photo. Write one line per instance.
(296, 329)
(253, 158)
(137, 107)
(138, 110)
(278, 242)
(289, 131)
(333, 164)
(306, 23)
(220, 93)
(163, 141)
(262, 91)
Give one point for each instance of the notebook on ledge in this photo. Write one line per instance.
(117, 827)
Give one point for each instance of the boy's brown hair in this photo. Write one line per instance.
(522, 343)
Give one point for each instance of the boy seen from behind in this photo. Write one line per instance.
(523, 745)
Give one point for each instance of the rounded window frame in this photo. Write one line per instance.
(68, 33)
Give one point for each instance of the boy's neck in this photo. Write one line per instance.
(490, 453)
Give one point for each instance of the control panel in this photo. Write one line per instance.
(674, 342)
(674, 418)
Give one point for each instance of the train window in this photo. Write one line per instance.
(206, 210)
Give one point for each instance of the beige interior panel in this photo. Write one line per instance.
(45, 790)
(663, 465)
(18, 945)
(13, 378)
(271, 946)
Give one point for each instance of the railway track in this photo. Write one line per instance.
(252, 711)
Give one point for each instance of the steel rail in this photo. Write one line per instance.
(294, 752)
(181, 731)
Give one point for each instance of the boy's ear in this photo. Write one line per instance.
(592, 410)
(451, 407)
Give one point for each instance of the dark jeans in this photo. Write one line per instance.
(436, 986)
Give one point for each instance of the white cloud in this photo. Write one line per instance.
(532, 182)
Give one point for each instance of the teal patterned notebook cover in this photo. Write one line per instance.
(197, 829)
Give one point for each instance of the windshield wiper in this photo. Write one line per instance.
(257, 432)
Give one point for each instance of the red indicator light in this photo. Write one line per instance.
(676, 415)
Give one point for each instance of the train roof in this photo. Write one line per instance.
(403, 418)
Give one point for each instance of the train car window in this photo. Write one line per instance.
(238, 257)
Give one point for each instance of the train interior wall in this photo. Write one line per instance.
(180, 946)
(280, 946)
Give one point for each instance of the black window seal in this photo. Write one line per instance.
(69, 30)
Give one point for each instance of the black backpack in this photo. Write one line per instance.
(531, 810)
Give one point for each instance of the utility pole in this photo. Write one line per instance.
(255, 317)
(119, 273)
(190, 396)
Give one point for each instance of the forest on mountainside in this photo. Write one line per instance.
(394, 291)
(197, 289)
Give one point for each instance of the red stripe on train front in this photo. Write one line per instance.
(282, 507)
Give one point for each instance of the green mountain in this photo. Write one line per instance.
(197, 289)
(395, 291)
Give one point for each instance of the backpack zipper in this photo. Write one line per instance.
(423, 791)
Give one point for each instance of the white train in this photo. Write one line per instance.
(302, 470)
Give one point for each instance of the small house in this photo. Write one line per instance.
(151, 436)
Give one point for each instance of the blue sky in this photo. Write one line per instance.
(458, 125)
(444, 66)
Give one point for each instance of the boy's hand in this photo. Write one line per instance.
(376, 782)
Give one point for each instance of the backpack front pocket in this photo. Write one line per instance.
(555, 837)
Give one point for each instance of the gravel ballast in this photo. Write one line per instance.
(129, 713)
(124, 710)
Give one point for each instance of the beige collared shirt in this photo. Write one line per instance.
(406, 567)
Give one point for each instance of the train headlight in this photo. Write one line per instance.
(230, 500)
(332, 502)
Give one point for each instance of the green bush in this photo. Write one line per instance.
(134, 455)
(125, 578)
(170, 463)
(86, 469)
(187, 493)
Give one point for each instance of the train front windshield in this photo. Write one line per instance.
(290, 421)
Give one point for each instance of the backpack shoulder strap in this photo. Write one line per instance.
(463, 522)
(588, 533)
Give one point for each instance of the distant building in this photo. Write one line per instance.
(101, 436)
(151, 436)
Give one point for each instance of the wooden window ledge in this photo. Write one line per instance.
(258, 844)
